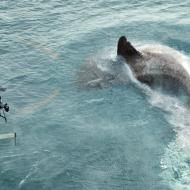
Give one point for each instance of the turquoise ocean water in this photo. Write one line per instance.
(120, 135)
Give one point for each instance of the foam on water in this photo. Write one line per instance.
(176, 160)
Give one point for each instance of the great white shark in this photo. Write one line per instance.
(153, 68)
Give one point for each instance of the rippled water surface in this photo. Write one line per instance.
(119, 135)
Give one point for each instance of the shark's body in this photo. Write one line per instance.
(154, 68)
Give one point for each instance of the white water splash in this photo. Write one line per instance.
(175, 163)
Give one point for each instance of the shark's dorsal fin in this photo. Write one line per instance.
(125, 49)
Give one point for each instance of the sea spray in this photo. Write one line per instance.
(175, 162)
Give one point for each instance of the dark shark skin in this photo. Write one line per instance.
(154, 68)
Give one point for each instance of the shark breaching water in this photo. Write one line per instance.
(154, 65)
(154, 68)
